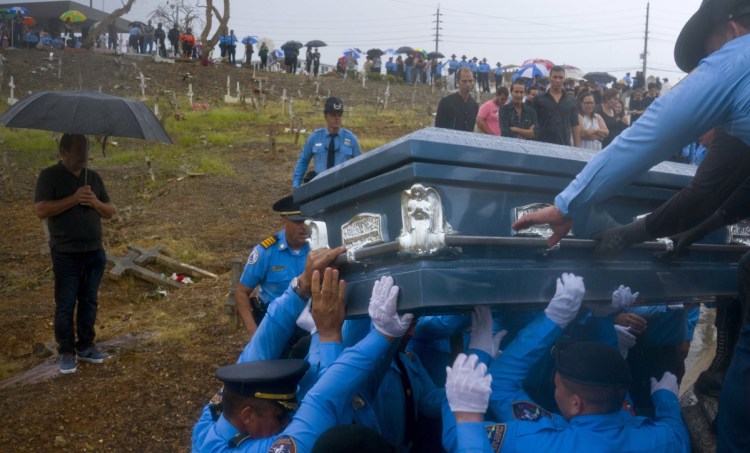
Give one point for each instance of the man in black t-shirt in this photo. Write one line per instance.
(557, 112)
(459, 110)
(73, 200)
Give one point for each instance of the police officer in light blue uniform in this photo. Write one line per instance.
(484, 75)
(452, 65)
(272, 265)
(498, 76)
(591, 382)
(259, 419)
(328, 146)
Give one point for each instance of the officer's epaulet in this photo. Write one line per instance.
(269, 241)
(237, 440)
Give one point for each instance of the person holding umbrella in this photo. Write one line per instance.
(73, 200)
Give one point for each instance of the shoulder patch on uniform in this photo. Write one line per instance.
(254, 255)
(496, 436)
(267, 242)
(284, 444)
(528, 411)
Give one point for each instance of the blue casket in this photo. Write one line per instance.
(434, 210)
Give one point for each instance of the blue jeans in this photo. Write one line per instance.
(77, 278)
(734, 402)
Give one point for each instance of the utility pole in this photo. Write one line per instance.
(644, 56)
(437, 28)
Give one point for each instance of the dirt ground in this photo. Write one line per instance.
(148, 396)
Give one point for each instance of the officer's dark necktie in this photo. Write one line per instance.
(411, 413)
(331, 150)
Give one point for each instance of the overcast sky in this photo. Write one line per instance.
(595, 35)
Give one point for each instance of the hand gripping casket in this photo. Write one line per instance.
(434, 210)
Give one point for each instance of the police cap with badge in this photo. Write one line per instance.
(333, 105)
(590, 363)
(274, 380)
(690, 46)
(286, 207)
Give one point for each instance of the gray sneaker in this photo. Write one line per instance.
(92, 354)
(68, 363)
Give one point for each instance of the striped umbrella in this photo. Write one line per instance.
(540, 61)
(532, 70)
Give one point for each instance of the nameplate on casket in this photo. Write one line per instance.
(740, 233)
(361, 230)
(543, 231)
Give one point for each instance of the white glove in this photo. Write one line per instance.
(468, 386)
(383, 309)
(563, 307)
(625, 340)
(667, 382)
(621, 297)
(305, 320)
(481, 332)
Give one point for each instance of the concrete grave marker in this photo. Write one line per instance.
(142, 84)
(11, 99)
(190, 95)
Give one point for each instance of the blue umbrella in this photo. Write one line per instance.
(354, 52)
(390, 51)
(18, 9)
(531, 70)
(252, 39)
(279, 53)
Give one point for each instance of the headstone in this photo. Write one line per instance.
(317, 86)
(12, 99)
(59, 68)
(142, 85)
(283, 101)
(228, 98)
(156, 110)
(291, 113)
(190, 95)
(126, 264)
(154, 255)
(364, 81)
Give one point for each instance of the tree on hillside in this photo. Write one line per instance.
(211, 11)
(184, 13)
(102, 25)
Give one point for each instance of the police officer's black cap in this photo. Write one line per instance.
(463, 56)
(593, 364)
(288, 208)
(690, 46)
(266, 379)
(453, 56)
(333, 105)
(351, 438)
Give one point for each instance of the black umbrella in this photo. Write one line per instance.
(315, 43)
(599, 77)
(292, 45)
(432, 55)
(373, 53)
(404, 49)
(87, 113)
(136, 23)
